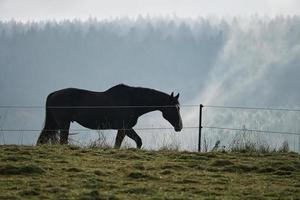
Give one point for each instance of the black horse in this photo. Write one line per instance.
(117, 108)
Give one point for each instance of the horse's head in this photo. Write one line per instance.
(172, 112)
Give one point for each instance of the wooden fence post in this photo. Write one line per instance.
(200, 127)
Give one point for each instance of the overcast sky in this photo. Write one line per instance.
(67, 9)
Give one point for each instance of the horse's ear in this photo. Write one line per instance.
(172, 94)
(177, 96)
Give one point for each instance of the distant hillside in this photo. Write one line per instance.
(56, 172)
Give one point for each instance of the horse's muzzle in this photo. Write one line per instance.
(178, 129)
(179, 126)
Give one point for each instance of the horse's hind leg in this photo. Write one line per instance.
(54, 137)
(64, 133)
(133, 135)
(43, 138)
(49, 130)
(119, 138)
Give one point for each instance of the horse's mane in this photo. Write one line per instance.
(148, 90)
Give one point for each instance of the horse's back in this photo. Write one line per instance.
(120, 90)
(66, 97)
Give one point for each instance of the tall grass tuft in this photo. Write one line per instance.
(284, 147)
(247, 141)
(170, 144)
(100, 142)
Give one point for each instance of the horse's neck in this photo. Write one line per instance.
(151, 99)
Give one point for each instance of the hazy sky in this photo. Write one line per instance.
(61, 9)
(224, 64)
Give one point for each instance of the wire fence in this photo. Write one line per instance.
(147, 106)
(250, 130)
(200, 126)
(83, 130)
(155, 106)
(253, 108)
(93, 107)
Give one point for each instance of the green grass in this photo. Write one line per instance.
(66, 172)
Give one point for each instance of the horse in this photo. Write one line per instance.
(117, 108)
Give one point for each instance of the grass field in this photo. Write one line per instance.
(66, 172)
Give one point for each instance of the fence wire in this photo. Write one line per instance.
(156, 106)
(250, 130)
(252, 108)
(91, 107)
(149, 106)
(86, 130)
(157, 128)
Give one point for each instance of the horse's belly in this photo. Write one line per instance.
(92, 124)
(106, 122)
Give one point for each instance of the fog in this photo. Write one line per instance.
(250, 61)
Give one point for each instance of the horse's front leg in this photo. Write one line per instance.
(133, 135)
(119, 138)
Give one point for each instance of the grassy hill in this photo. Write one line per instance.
(66, 172)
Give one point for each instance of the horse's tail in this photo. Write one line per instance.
(50, 128)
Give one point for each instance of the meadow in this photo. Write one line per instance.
(71, 172)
